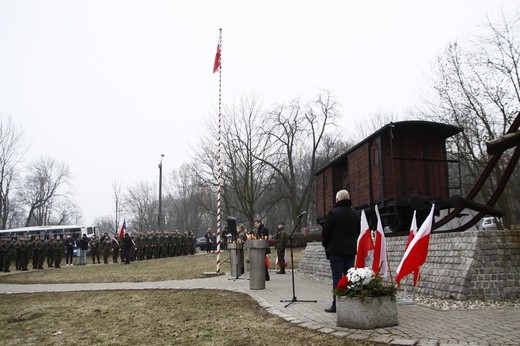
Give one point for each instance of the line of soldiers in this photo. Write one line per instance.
(37, 248)
(147, 245)
(151, 244)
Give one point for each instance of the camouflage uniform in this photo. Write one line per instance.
(115, 248)
(176, 243)
(25, 254)
(94, 249)
(105, 247)
(49, 252)
(6, 246)
(148, 246)
(59, 250)
(38, 253)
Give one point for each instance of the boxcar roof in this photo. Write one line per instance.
(443, 130)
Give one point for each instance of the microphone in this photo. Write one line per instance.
(301, 214)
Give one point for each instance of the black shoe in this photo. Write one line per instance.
(280, 272)
(331, 310)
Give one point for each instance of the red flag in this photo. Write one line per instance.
(416, 253)
(216, 64)
(123, 229)
(364, 242)
(380, 265)
(413, 230)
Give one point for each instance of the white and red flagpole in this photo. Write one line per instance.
(218, 66)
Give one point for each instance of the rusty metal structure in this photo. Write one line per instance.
(496, 149)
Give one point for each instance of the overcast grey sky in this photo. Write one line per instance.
(108, 86)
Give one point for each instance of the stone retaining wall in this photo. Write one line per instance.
(467, 265)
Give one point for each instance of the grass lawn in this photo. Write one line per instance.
(154, 317)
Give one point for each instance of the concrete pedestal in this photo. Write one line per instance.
(236, 251)
(257, 249)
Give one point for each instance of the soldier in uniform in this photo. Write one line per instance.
(49, 252)
(59, 250)
(94, 249)
(105, 247)
(139, 243)
(176, 242)
(6, 246)
(156, 247)
(149, 246)
(25, 253)
(281, 242)
(38, 253)
(115, 248)
(17, 249)
(164, 245)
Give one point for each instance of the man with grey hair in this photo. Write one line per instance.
(339, 238)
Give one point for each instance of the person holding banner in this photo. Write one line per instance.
(339, 238)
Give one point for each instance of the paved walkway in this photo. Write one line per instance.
(418, 325)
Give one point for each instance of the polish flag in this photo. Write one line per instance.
(416, 253)
(364, 242)
(123, 229)
(216, 64)
(380, 265)
(413, 230)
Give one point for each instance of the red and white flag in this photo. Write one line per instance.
(216, 64)
(380, 265)
(364, 242)
(123, 230)
(416, 253)
(413, 230)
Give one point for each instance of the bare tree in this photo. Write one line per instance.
(295, 133)
(245, 179)
(117, 194)
(182, 206)
(12, 150)
(46, 182)
(477, 87)
(142, 206)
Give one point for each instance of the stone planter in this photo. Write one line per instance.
(377, 312)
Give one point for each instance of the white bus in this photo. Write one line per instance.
(63, 230)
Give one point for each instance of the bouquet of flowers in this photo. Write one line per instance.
(363, 283)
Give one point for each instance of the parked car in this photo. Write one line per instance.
(488, 223)
(200, 244)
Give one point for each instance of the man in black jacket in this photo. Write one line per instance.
(339, 238)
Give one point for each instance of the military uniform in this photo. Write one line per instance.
(59, 250)
(281, 242)
(6, 246)
(105, 247)
(115, 249)
(94, 249)
(48, 251)
(38, 253)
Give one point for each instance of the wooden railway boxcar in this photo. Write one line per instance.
(397, 167)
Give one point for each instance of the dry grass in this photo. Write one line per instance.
(154, 317)
(172, 268)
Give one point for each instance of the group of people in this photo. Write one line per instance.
(75, 248)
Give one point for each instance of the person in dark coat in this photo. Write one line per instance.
(128, 243)
(339, 238)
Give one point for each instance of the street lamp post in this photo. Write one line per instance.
(159, 217)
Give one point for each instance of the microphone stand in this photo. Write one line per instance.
(294, 299)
